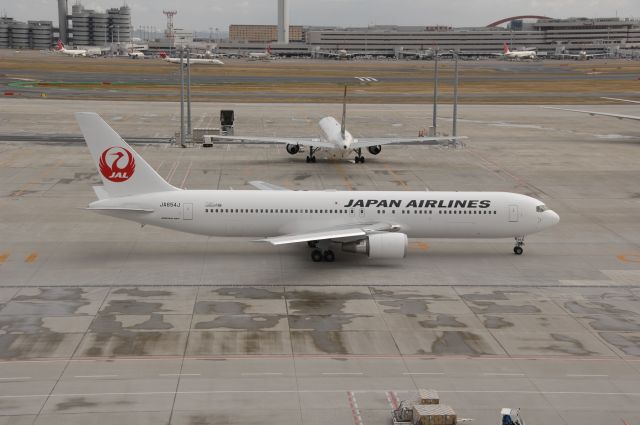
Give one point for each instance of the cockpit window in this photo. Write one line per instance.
(541, 208)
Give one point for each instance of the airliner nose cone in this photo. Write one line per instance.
(555, 218)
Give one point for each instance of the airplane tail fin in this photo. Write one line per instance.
(122, 170)
(343, 123)
(505, 48)
(59, 46)
(268, 49)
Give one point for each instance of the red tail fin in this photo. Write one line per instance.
(505, 48)
(163, 54)
(60, 45)
(269, 48)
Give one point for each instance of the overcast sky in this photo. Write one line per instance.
(204, 14)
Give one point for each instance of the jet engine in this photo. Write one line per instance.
(380, 245)
(293, 149)
(375, 150)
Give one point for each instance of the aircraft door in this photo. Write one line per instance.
(187, 212)
(361, 213)
(513, 213)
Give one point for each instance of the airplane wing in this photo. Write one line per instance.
(249, 140)
(594, 113)
(266, 186)
(365, 143)
(335, 233)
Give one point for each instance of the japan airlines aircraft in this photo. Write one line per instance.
(195, 61)
(261, 55)
(334, 138)
(71, 52)
(518, 54)
(376, 224)
(604, 114)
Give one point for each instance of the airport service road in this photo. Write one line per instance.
(314, 355)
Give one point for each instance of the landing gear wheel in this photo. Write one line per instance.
(313, 159)
(329, 256)
(362, 160)
(308, 159)
(316, 255)
(518, 250)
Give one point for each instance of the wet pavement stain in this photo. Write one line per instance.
(408, 307)
(220, 307)
(629, 344)
(217, 419)
(53, 294)
(144, 293)
(442, 320)
(329, 342)
(384, 293)
(249, 293)
(109, 323)
(22, 324)
(322, 323)
(252, 322)
(594, 307)
(80, 177)
(130, 343)
(301, 177)
(620, 324)
(460, 343)
(132, 307)
(44, 309)
(568, 345)
(308, 294)
(73, 403)
(488, 307)
(491, 296)
(24, 346)
(494, 322)
(316, 306)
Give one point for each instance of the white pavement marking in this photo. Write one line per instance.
(502, 374)
(355, 411)
(261, 373)
(95, 376)
(178, 374)
(423, 373)
(586, 376)
(410, 391)
(16, 378)
(342, 373)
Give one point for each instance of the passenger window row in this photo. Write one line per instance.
(342, 211)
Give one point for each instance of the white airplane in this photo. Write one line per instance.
(192, 61)
(261, 55)
(71, 52)
(374, 223)
(582, 55)
(135, 54)
(334, 138)
(604, 114)
(518, 54)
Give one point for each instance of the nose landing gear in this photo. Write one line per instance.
(359, 157)
(519, 244)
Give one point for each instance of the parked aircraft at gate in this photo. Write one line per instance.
(374, 223)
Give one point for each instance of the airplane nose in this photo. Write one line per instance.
(552, 218)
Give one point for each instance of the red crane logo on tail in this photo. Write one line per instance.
(112, 161)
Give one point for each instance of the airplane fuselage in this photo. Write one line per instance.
(330, 131)
(268, 213)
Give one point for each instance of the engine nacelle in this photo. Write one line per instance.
(375, 150)
(293, 149)
(382, 245)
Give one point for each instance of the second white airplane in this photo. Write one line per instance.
(373, 223)
(335, 138)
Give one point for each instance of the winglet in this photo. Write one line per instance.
(343, 124)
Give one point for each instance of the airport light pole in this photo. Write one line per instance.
(455, 96)
(435, 94)
(182, 132)
(189, 91)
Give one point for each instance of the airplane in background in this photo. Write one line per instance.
(266, 55)
(192, 61)
(372, 223)
(71, 52)
(135, 54)
(604, 114)
(582, 55)
(518, 54)
(334, 137)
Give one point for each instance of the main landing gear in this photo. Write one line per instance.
(519, 244)
(359, 158)
(319, 254)
(311, 157)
